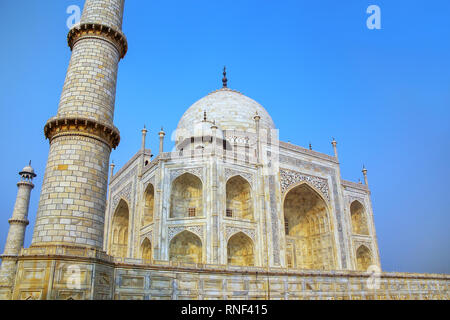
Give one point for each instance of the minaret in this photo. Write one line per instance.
(364, 171)
(82, 134)
(144, 134)
(334, 144)
(17, 224)
(111, 170)
(161, 140)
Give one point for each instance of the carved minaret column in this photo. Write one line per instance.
(82, 134)
(364, 171)
(111, 170)
(144, 134)
(18, 224)
(334, 144)
(161, 140)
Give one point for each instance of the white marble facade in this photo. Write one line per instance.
(232, 194)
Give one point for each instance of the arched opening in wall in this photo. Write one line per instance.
(239, 199)
(149, 204)
(240, 250)
(186, 199)
(146, 250)
(359, 218)
(186, 247)
(308, 230)
(119, 243)
(363, 258)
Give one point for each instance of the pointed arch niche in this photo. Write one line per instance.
(309, 239)
(240, 250)
(186, 198)
(186, 247)
(239, 198)
(146, 250)
(119, 241)
(149, 204)
(359, 218)
(363, 258)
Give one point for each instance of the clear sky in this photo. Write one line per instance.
(314, 65)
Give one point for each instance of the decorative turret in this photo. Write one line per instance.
(334, 144)
(144, 134)
(111, 170)
(161, 140)
(17, 225)
(364, 171)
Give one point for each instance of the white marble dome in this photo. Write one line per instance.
(231, 110)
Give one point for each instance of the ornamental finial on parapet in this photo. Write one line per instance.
(334, 144)
(161, 140)
(111, 172)
(225, 80)
(364, 171)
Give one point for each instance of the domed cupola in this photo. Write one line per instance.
(230, 110)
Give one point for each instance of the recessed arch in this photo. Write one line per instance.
(239, 200)
(186, 198)
(308, 229)
(359, 218)
(146, 250)
(120, 221)
(363, 258)
(309, 185)
(240, 250)
(149, 205)
(186, 247)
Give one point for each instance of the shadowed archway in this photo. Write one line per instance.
(239, 199)
(359, 218)
(186, 247)
(309, 240)
(146, 250)
(119, 241)
(186, 199)
(149, 203)
(363, 258)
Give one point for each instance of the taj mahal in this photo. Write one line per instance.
(231, 212)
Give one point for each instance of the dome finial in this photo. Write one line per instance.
(225, 80)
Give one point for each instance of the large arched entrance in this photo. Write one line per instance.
(309, 240)
(240, 250)
(186, 199)
(186, 247)
(119, 241)
(239, 199)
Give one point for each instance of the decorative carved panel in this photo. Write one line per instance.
(174, 230)
(178, 172)
(232, 230)
(125, 193)
(231, 173)
(289, 178)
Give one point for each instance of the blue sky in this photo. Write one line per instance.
(314, 65)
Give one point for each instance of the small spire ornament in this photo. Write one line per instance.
(225, 80)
